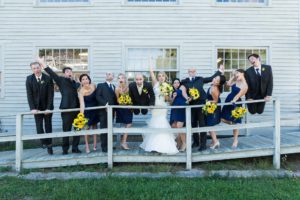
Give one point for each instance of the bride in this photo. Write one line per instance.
(162, 142)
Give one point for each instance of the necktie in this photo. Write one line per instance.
(111, 87)
(39, 80)
(192, 79)
(257, 72)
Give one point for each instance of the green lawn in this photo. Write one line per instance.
(145, 188)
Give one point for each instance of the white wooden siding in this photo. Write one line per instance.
(109, 25)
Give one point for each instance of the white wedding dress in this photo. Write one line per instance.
(161, 142)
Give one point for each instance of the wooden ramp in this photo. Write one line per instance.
(249, 146)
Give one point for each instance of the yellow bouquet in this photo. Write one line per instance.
(166, 89)
(209, 107)
(80, 122)
(194, 93)
(238, 112)
(125, 99)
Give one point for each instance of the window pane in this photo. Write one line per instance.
(238, 59)
(57, 59)
(162, 59)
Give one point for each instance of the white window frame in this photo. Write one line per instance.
(2, 71)
(268, 48)
(154, 46)
(150, 4)
(69, 46)
(62, 4)
(268, 3)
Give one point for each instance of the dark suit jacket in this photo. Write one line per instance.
(198, 83)
(68, 89)
(266, 84)
(40, 95)
(146, 98)
(105, 95)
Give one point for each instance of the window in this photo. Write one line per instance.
(64, 1)
(163, 59)
(237, 58)
(58, 58)
(1, 74)
(242, 2)
(152, 2)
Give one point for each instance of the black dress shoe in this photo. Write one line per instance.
(50, 150)
(76, 151)
(104, 150)
(202, 148)
(44, 146)
(65, 152)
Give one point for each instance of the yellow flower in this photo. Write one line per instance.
(238, 112)
(79, 122)
(125, 99)
(209, 108)
(194, 93)
(145, 91)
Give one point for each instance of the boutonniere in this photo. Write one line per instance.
(263, 69)
(42, 82)
(145, 91)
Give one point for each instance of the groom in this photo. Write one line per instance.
(141, 93)
(198, 118)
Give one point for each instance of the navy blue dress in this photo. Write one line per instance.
(226, 110)
(92, 115)
(124, 115)
(215, 118)
(178, 114)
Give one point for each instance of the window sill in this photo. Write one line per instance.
(150, 4)
(62, 5)
(241, 5)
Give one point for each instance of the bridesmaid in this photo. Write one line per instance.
(124, 115)
(213, 95)
(177, 118)
(239, 88)
(87, 98)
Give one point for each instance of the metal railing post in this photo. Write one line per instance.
(19, 142)
(188, 138)
(276, 136)
(110, 137)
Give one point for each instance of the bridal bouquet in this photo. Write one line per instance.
(125, 99)
(194, 93)
(238, 112)
(209, 107)
(80, 122)
(165, 89)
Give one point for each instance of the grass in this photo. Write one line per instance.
(146, 188)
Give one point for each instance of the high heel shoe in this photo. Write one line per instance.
(234, 145)
(124, 146)
(182, 148)
(216, 145)
(95, 148)
(87, 151)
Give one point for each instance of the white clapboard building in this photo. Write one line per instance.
(97, 36)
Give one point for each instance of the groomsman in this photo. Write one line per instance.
(69, 99)
(260, 84)
(40, 93)
(198, 118)
(141, 93)
(105, 95)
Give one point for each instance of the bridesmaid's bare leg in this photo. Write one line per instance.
(182, 137)
(235, 138)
